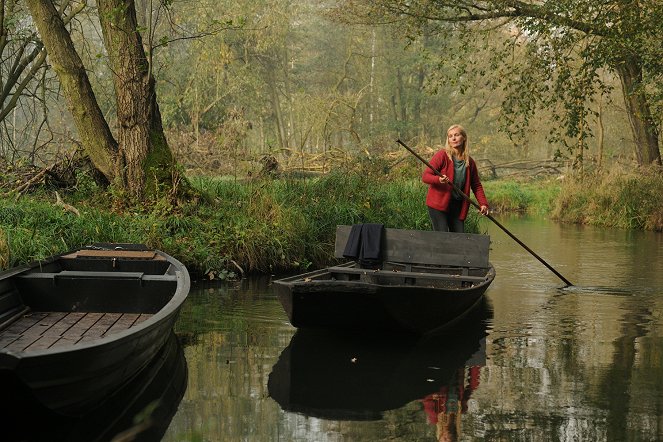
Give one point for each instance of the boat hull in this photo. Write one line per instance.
(311, 302)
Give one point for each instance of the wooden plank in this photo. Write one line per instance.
(43, 343)
(22, 342)
(416, 275)
(65, 323)
(102, 325)
(129, 254)
(143, 317)
(82, 274)
(13, 315)
(24, 323)
(427, 247)
(7, 339)
(126, 321)
(47, 321)
(83, 325)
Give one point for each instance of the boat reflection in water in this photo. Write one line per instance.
(355, 377)
(139, 411)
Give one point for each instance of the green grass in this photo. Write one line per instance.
(623, 199)
(286, 224)
(532, 198)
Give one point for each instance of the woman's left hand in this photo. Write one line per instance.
(484, 210)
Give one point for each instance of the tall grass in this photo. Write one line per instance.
(629, 199)
(526, 197)
(288, 224)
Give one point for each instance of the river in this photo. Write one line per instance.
(538, 363)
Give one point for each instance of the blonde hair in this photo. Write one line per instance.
(466, 143)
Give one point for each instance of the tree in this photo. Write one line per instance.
(564, 46)
(140, 160)
(25, 83)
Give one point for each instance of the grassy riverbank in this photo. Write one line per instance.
(287, 224)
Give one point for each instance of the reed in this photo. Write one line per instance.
(622, 198)
(525, 197)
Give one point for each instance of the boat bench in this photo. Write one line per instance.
(81, 274)
(125, 292)
(432, 255)
(412, 247)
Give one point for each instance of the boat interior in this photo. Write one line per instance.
(422, 258)
(82, 296)
(398, 273)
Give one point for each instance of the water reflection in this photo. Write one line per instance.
(355, 377)
(140, 411)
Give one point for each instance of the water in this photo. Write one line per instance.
(542, 363)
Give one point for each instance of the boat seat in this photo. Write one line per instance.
(426, 247)
(80, 274)
(390, 273)
(95, 291)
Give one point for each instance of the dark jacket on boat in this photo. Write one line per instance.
(365, 244)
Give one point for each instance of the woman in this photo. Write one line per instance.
(447, 208)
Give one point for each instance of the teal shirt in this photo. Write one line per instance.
(459, 177)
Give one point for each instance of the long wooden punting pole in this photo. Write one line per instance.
(490, 217)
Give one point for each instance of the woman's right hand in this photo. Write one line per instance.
(444, 179)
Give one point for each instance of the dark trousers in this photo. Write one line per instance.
(447, 221)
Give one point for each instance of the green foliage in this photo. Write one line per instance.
(629, 200)
(288, 224)
(554, 59)
(230, 228)
(530, 197)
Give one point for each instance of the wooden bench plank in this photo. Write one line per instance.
(82, 274)
(427, 247)
(130, 254)
(392, 274)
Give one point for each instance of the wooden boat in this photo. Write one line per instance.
(426, 280)
(76, 327)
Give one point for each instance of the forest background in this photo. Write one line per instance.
(282, 118)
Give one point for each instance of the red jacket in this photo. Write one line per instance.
(439, 195)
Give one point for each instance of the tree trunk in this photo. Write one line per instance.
(145, 156)
(601, 134)
(642, 123)
(93, 129)
(276, 108)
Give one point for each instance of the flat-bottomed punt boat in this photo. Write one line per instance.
(426, 280)
(74, 328)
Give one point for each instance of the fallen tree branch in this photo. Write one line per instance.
(65, 206)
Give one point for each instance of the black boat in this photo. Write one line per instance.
(424, 281)
(77, 327)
